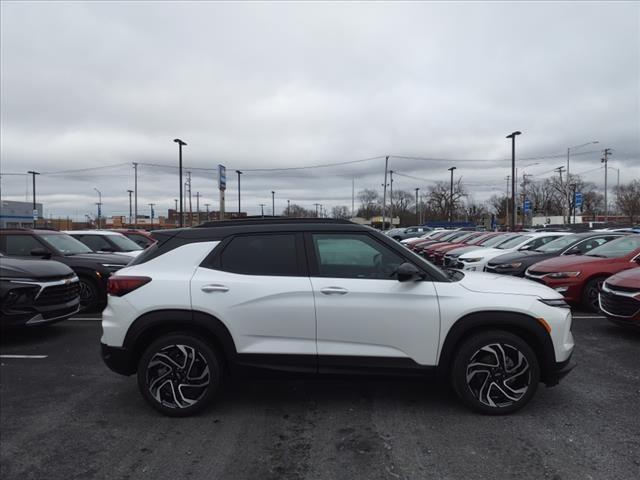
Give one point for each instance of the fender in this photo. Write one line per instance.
(518, 323)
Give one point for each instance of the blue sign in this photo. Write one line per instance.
(578, 200)
(222, 177)
(527, 205)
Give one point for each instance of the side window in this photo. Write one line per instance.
(411, 230)
(354, 256)
(538, 242)
(95, 242)
(592, 243)
(20, 245)
(261, 255)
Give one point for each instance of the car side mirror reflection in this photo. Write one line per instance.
(40, 252)
(525, 247)
(408, 271)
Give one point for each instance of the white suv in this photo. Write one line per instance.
(324, 297)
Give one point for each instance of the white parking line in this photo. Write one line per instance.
(24, 356)
(589, 316)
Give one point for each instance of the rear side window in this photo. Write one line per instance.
(261, 255)
(19, 245)
(95, 242)
(592, 243)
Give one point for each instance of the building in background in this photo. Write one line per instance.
(17, 214)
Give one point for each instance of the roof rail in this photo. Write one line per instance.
(269, 220)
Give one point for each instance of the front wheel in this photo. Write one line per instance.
(495, 372)
(590, 294)
(89, 296)
(179, 374)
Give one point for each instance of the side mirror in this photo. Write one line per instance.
(573, 251)
(40, 252)
(408, 271)
(107, 250)
(525, 247)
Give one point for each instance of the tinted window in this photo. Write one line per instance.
(538, 242)
(95, 242)
(592, 243)
(66, 244)
(140, 239)
(354, 256)
(261, 255)
(617, 248)
(125, 244)
(19, 244)
(513, 242)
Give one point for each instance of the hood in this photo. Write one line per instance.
(481, 282)
(461, 250)
(524, 256)
(568, 263)
(627, 279)
(132, 254)
(102, 258)
(482, 252)
(17, 268)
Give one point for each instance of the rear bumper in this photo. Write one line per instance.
(558, 372)
(119, 360)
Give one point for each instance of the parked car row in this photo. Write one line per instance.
(48, 275)
(574, 264)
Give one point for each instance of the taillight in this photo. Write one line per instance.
(121, 285)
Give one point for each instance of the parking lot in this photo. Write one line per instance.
(64, 415)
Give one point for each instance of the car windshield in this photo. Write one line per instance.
(495, 240)
(513, 242)
(466, 236)
(557, 244)
(124, 243)
(616, 248)
(66, 244)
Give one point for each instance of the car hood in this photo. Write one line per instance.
(568, 263)
(461, 250)
(15, 268)
(481, 282)
(102, 258)
(626, 279)
(524, 256)
(132, 254)
(483, 252)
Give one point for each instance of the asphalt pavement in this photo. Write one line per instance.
(64, 415)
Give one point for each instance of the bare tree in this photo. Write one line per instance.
(439, 198)
(498, 203)
(298, 211)
(628, 199)
(341, 212)
(369, 203)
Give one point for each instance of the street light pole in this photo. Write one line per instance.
(513, 136)
(288, 208)
(451, 196)
(135, 188)
(262, 205)
(152, 205)
(239, 173)
(129, 192)
(35, 210)
(273, 203)
(605, 159)
(417, 216)
(180, 144)
(99, 204)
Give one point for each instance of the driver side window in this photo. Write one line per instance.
(354, 256)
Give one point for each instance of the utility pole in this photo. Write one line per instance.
(99, 204)
(239, 173)
(384, 193)
(288, 208)
(190, 205)
(506, 220)
(198, 206)
(129, 192)
(513, 136)
(262, 205)
(417, 216)
(451, 196)
(152, 205)
(273, 203)
(135, 188)
(391, 196)
(316, 205)
(574, 200)
(353, 197)
(180, 145)
(605, 159)
(175, 201)
(35, 209)
(560, 170)
(207, 207)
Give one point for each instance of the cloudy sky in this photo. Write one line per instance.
(96, 86)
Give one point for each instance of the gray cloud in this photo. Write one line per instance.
(258, 85)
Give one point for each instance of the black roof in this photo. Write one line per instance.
(271, 221)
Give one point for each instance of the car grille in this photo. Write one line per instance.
(58, 294)
(618, 305)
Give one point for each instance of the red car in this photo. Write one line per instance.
(620, 298)
(451, 236)
(424, 238)
(429, 252)
(580, 277)
(477, 239)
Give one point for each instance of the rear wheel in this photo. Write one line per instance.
(590, 294)
(495, 372)
(179, 374)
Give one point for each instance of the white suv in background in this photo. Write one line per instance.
(324, 297)
(476, 260)
(104, 241)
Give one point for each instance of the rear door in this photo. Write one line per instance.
(365, 316)
(258, 286)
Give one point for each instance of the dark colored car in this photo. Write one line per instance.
(620, 298)
(580, 277)
(34, 292)
(516, 263)
(141, 237)
(93, 269)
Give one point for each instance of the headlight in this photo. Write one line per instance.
(471, 260)
(555, 302)
(563, 274)
(510, 265)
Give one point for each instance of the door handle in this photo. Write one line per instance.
(214, 288)
(334, 290)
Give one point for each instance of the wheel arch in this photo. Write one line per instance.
(149, 326)
(526, 327)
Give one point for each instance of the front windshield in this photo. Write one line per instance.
(557, 244)
(466, 236)
(495, 240)
(124, 243)
(616, 248)
(66, 244)
(513, 242)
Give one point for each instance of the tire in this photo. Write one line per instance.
(506, 383)
(590, 294)
(179, 374)
(89, 295)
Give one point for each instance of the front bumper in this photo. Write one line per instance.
(119, 360)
